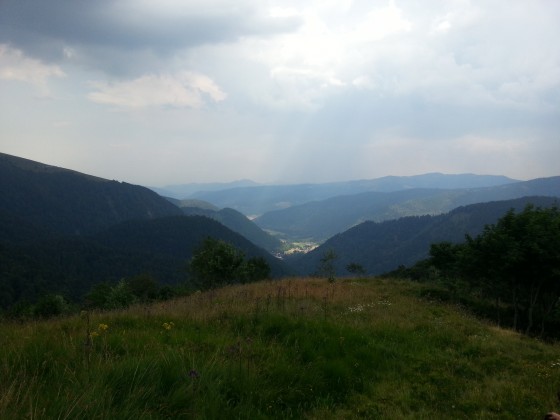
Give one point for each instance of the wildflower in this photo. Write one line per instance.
(168, 326)
(94, 334)
(193, 374)
(103, 327)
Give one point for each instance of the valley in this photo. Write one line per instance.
(83, 230)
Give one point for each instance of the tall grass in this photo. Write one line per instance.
(286, 349)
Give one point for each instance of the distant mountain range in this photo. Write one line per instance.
(182, 191)
(382, 247)
(320, 220)
(257, 200)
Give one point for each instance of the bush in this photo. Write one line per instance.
(120, 296)
(50, 305)
(216, 263)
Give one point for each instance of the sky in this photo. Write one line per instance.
(180, 91)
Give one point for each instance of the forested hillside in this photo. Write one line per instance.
(70, 266)
(63, 232)
(70, 202)
(233, 220)
(384, 246)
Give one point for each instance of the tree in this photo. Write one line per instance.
(215, 262)
(120, 296)
(50, 305)
(98, 295)
(517, 260)
(326, 265)
(254, 269)
(356, 269)
(143, 287)
(446, 257)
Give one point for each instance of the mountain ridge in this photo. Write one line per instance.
(70, 202)
(260, 199)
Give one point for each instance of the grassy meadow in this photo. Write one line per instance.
(296, 348)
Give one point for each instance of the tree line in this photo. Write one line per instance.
(514, 263)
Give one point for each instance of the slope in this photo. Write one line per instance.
(237, 222)
(178, 237)
(381, 247)
(71, 265)
(349, 350)
(70, 202)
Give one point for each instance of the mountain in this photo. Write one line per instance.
(71, 265)
(70, 202)
(178, 237)
(232, 219)
(193, 203)
(322, 219)
(257, 200)
(62, 232)
(239, 223)
(182, 191)
(381, 247)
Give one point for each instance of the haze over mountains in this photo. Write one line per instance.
(256, 200)
(63, 231)
(182, 191)
(315, 212)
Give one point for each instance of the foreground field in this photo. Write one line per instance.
(285, 349)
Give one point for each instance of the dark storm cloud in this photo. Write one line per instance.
(51, 30)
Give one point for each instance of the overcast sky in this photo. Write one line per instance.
(179, 91)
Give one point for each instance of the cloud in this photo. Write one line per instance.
(101, 31)
(14, 65)
(326, 52)
(183, 90)
(361, 88)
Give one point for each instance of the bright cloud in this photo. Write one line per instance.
(184, 90)
(15, 65)
(331, 48)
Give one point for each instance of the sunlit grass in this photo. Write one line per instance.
(279, 349)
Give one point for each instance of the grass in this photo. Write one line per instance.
(299, 348)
